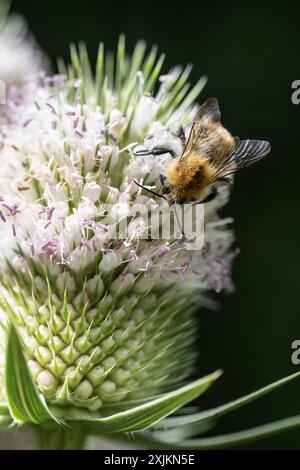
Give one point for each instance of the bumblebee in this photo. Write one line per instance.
(210, 155)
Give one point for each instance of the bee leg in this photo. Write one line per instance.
(155, 151)
(165, 187)
(208, 198)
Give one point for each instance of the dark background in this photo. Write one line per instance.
(251, 54)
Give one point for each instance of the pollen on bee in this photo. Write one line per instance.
(189, 177)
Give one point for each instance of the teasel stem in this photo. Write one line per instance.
(61, 438)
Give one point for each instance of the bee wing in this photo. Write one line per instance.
(206, 119)
(250, 151)
(245, 154)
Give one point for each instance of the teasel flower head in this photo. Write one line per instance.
(20, 56)
(98, 331)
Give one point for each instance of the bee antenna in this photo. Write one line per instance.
(149, 190)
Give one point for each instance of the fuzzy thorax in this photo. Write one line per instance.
(189, 177)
